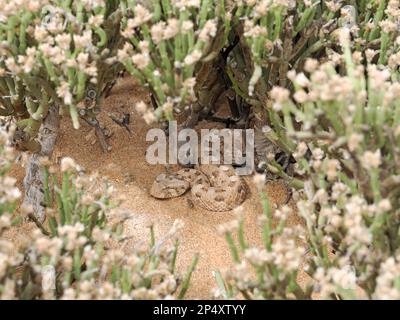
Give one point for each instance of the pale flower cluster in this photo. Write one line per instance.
(329, 281)
(8, 8)
(389, 272)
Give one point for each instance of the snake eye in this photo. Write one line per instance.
(91, 94)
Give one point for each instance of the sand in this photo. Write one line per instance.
(132, 176)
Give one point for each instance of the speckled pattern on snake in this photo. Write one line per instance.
(214, 188)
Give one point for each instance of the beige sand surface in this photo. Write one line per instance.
(132, 176)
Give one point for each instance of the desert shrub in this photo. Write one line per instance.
(169, 45)
(277, 36)
(267, 272)
(79, 254)
(65, 52)
(349, 123)
(55, 53)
